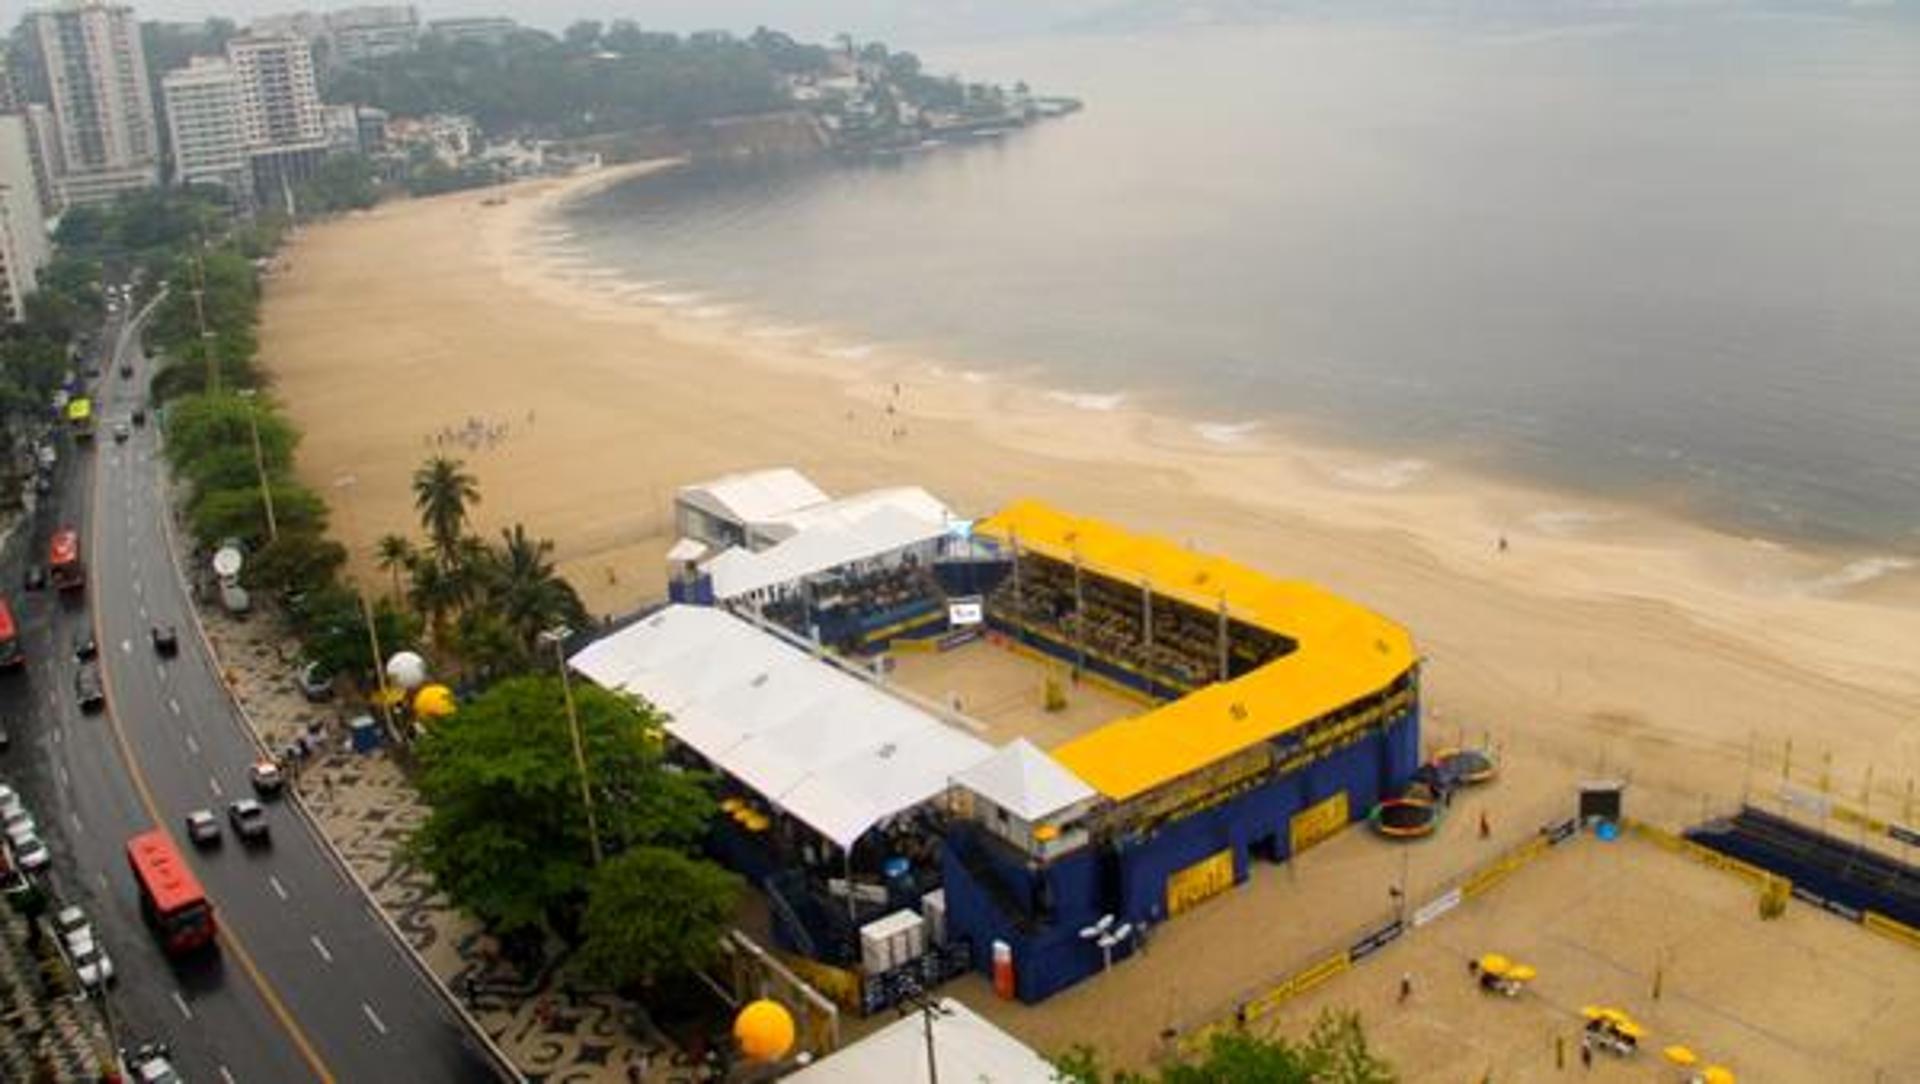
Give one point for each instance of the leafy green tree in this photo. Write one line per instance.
(521, 586)
(507, 835)
(1335, 1051)
(201, 427)
(443, 491)
(297, 561)
(654, 913)
(240, 513)
(334, 632)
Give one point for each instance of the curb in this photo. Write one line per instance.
(502, 1063)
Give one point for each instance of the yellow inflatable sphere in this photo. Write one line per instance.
(434, 702)
(765, 1030)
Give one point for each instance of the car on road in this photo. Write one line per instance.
(6, 740)
(149, 1063)
(139, 415)
(87, 690)
(121, 432)
(32, 855)
(19, 826)
(91, 964)
(9, 800)
(84, 645)
(71, 920)
(267, 778)
(203, 828)
(166, 640)
(42, 483)
(126, 369)
(36, 578)
(249, 819)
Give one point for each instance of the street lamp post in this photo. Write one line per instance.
(345, 483)
(1106, 936)
(557, 637)
(260, 462)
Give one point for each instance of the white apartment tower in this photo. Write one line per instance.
(279, 99)
(24, 248)
(206, 127)
(103, 112)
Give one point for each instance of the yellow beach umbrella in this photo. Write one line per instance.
(1717, 1074)
(1595, 1012)
(1523, 973)
(728, 805)
(1630, 1029)
(1681, 1056)
(1495, 964)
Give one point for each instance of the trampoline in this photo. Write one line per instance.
(1469, 766)
(1405, 818)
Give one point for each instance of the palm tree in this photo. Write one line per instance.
(436, 596)
(525, 590)
(395, 553)
(442, 493)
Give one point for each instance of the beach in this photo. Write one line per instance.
(1604, 638)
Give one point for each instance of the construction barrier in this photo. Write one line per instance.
(1504, 866)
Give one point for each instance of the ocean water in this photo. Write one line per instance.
(1671, 258)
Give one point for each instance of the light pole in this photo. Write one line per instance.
(260, 462)
(345, 483)
(556, 637)
(1107, 936)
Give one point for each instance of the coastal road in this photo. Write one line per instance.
(308, 983)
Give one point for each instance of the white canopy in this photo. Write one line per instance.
(754, 496)
(826, 545)
(1025, 782)
(965, 1046)
(850, 512)
(827, 747)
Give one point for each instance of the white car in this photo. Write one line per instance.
(91, 964)
(19, 826)
(32, 855)
(70, 922)
(9, 801)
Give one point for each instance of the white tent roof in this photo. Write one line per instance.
(1025, 782)
(966, 1048)
(850, 511)
(755, 495)
(826, 545)
(823, 745)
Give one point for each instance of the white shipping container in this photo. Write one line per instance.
(893, 941)
(933, 908)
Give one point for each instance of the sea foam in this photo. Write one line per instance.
(1393, 474)
(1099, 402)
(1227, 433)
(1854, 574)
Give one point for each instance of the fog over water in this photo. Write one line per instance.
(1675, 258)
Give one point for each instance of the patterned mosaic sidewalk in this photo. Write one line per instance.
(367, 809)
(44, 1030)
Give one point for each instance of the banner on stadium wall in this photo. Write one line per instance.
(1375, 941)
(1834, 907)
(966, 611)
(1434, 908)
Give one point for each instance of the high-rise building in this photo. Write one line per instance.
(485, 30)
(96, 73)
(46, 154)
(280, 102)
(369, 33)
(206, 126)
(24, 248)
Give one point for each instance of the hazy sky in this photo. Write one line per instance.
(920, 19)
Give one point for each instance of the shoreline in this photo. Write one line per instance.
(1607, 633)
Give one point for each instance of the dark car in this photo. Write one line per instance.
(203, 828)
(166, 641)
(36, 578)
(121, 432)
(84, 647)
(87, 689)
(249, 819)
(43, 483)
(126, 369)
(139, 415)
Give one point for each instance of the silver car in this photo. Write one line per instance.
(32, 855)
(19, 825)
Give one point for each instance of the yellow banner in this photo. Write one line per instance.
(1886, 927)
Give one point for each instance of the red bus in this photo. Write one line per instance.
(170, 896)
(10, 653)
(63, 560)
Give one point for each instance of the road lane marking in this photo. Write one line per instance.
(215, 784)
(75, 818)
(173, 705)
(160, 671)
(193, 746)
(136, 585)
(52, 700)
(320, 947)
(379, 1025)
(143, 613)
(59, 734)
(65, 780)
(274, 883)
(181, 1004)
(126, 647)
(101, 877)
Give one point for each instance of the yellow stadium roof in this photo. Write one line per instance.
(1345, 651)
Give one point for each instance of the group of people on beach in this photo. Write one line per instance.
(475, 434)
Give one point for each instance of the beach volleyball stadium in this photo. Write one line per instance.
(1017, 744)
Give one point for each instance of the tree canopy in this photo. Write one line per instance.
(653, 913)
(507, 836)
(1334, 1051)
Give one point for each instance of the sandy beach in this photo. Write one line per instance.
(1608, 638)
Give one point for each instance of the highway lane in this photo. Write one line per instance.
(68, 766)
(312, 937)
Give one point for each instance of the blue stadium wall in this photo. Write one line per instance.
(993, 896)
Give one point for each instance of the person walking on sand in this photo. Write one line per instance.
(1486, 827)
(1406, 986)
(1503, 543)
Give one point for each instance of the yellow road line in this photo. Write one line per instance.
(228, 938)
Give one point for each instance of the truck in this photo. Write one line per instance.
(64, 567)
